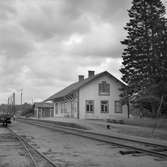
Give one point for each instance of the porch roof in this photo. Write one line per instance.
(43, 105)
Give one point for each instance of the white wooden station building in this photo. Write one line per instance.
(94, 97)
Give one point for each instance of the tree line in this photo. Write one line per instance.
(144, 65)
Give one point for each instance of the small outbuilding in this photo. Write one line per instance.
(43, 110)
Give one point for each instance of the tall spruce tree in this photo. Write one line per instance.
(145, 54)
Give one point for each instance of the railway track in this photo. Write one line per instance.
(134, 146)
(37, 159)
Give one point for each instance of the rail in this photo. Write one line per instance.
(156, 150)
(32, 152)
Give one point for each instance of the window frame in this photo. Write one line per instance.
(88, 103)
(102, 87)
(56, 108)
(104, 106)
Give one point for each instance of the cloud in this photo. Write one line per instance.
(13, 41)
(105, 9)
(102, 40)
(7, 9)
(46, 19)
(45, 44)
(52, 18)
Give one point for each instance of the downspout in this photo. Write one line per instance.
(37, 113)
(78, 113)
(54, 109)
(128, 106)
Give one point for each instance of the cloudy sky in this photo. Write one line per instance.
(45, 44)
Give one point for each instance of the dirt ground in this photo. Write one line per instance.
(139, 127)
(12, 154)
(131, 130)
(73, 151)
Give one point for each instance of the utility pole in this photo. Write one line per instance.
(10, 104)
(32, 100)
(8, 108)
(13, 104)
(21, 95)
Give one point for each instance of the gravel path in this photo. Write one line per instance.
(130, 130)
(73, 151)
(12, 154)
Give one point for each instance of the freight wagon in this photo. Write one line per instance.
(5, 119)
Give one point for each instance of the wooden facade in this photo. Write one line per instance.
(43, 110)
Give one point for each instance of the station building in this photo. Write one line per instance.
(43, 110)
(94, 97)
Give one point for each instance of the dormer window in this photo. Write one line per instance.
(104, 88)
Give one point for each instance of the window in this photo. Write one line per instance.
(52, 112)
(89, 106)
(104, 107)
(118, 107)
(65, 107)
(104, 88)
(56, 108)
(62, 107)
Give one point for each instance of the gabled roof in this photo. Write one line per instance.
(77, 85)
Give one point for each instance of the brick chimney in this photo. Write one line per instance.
(80, 78)
(91, 74)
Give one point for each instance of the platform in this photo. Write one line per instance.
(157, 136)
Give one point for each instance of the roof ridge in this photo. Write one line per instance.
(76, 85)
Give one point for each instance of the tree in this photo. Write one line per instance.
(155, 96)
(142, 56)
(145, 53)
(124, 98)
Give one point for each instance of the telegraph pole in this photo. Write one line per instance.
(32, 100)
(8, 108)
(13, 104)
(21, 95)
(10, 104)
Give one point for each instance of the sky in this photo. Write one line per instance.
(46, 44)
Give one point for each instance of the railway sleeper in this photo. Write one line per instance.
(160, 149)
(129, 152)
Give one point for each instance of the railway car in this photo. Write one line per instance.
(5, 119)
